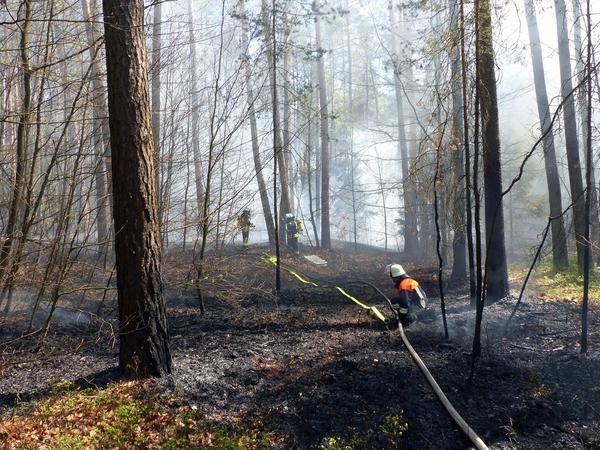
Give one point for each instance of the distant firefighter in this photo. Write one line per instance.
(409, 295)
(243, 222)
(293, 229)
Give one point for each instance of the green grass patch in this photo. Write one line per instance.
(126, 415)
(551, 285)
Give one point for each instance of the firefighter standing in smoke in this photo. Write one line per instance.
(243, 222)
(293, 228)
(409, 294)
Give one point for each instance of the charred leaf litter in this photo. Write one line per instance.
(312, 365)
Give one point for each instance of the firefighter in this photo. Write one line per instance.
(409, 295)
(243, 222)
(293, 228)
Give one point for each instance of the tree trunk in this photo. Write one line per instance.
(309, 182)
(195, 98)
(589, 187)
(258, 166)
(459, 260)
(144, 342)
(286, 203)
(21, 148)
(351, 120)
(287, 136)
(583, 125)
(325, 225)
(560, 257)
(496, 269)
(468, 196)
(410, 225)
(570, 126)
(101, 134)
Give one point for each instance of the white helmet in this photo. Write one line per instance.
(395, 270)
(289, 215)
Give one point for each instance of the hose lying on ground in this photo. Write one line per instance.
(464, 426)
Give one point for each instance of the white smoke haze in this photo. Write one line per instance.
(375, 135)
(23, 303)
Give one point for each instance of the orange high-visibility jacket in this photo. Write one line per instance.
(408, 284)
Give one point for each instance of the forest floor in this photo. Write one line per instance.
(309, 370)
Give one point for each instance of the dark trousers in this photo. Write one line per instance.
(245, 234)
(402, 303)
(293, 243)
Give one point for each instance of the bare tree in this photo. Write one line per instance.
(570, 122)
(195, 100)
(589, 187)
(156, 70)
(459, 263)
(324, 125)
(559, 238)
(496, 268)
(286, 203)
(410, 225)
(580, 68)
(258, 166)
(102, 136)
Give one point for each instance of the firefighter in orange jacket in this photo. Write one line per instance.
(409, 294)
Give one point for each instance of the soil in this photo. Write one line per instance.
(313, 365)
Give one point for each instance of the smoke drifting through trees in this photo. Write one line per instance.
(364, 92)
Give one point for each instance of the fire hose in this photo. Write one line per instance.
(464, 426)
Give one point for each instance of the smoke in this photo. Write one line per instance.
(22, 306)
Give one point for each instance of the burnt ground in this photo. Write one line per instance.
(312, 365)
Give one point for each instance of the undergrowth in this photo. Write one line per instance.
(551, 285)
(133, 415)
(125, 415)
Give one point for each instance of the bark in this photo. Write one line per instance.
(583, 121)
(570, 127)
(459, 261)
(287, 139)
(144, 343)
(278, 154)
(316, 144)
(496, 268)
(559, 238)
(590, 188)
(479, 305)
(324, 122)
(309, 182)
(438, 241)
(468, 196)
